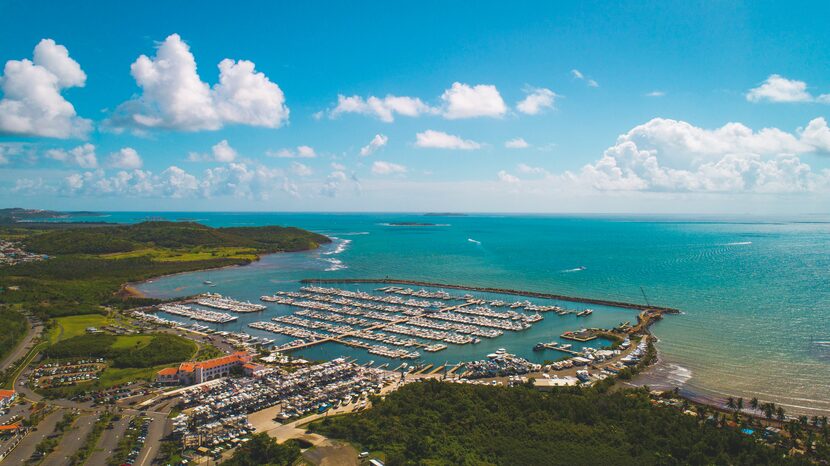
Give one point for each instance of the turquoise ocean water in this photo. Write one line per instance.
(755, 293)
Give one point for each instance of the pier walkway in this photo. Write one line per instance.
(381, 325)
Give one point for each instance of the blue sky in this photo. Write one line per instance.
(633, 107)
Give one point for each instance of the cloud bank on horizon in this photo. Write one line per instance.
(480, 135)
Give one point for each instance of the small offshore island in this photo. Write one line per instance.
(83, 348)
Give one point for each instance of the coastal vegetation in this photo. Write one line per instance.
(88, 265)
(264, 450)
(438, 423)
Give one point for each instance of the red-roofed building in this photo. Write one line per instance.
(10, 428)
(198, 372)
(7, 397)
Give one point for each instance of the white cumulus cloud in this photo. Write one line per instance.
(233, 179)
(82, 156)
(777, 88)
(127, 158)
(457, 102)
(32, 104)
(440, 140)
(516, 143)
(175, 97)
(670, 155)
(300, 169)
(465, 101)
(221, 152)
(383, 109)
(536, 101)
(376, 143)
(301, 152)
(379, 167)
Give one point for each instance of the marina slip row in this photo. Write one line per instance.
(391, 322)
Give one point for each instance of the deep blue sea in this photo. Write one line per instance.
(755, 292)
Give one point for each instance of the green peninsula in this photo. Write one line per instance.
(88, 265)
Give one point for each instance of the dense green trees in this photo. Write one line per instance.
(122, 238)
(161, 349)
(439, 423)
(262, 450)
(13, 325)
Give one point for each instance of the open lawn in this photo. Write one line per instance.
(184, 255)
(113, 376)
(72, 326)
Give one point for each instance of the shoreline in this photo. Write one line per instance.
(532, 294)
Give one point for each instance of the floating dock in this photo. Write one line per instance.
(423, 369)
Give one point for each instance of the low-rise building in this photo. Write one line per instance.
(7, 397)
(190, 373)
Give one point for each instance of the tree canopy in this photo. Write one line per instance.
(441, 424)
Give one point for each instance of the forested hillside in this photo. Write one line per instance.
(89, 264)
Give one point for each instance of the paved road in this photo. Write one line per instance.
(24, 346)
(72, 440)
(154, 435)
(27, 446)
(108, 442)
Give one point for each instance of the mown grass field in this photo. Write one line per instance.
(71, 326)
(185, 255)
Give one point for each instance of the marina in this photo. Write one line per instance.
(430, 324)
(197, 314)
(406, 324)
(218, 301)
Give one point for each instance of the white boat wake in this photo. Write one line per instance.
(474, 241)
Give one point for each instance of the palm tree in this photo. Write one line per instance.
(780, 414)
(815, 421)
(739, 405)
(769, 409)
(753, 403)
(730, 403)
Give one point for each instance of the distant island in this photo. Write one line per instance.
(17, 215)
